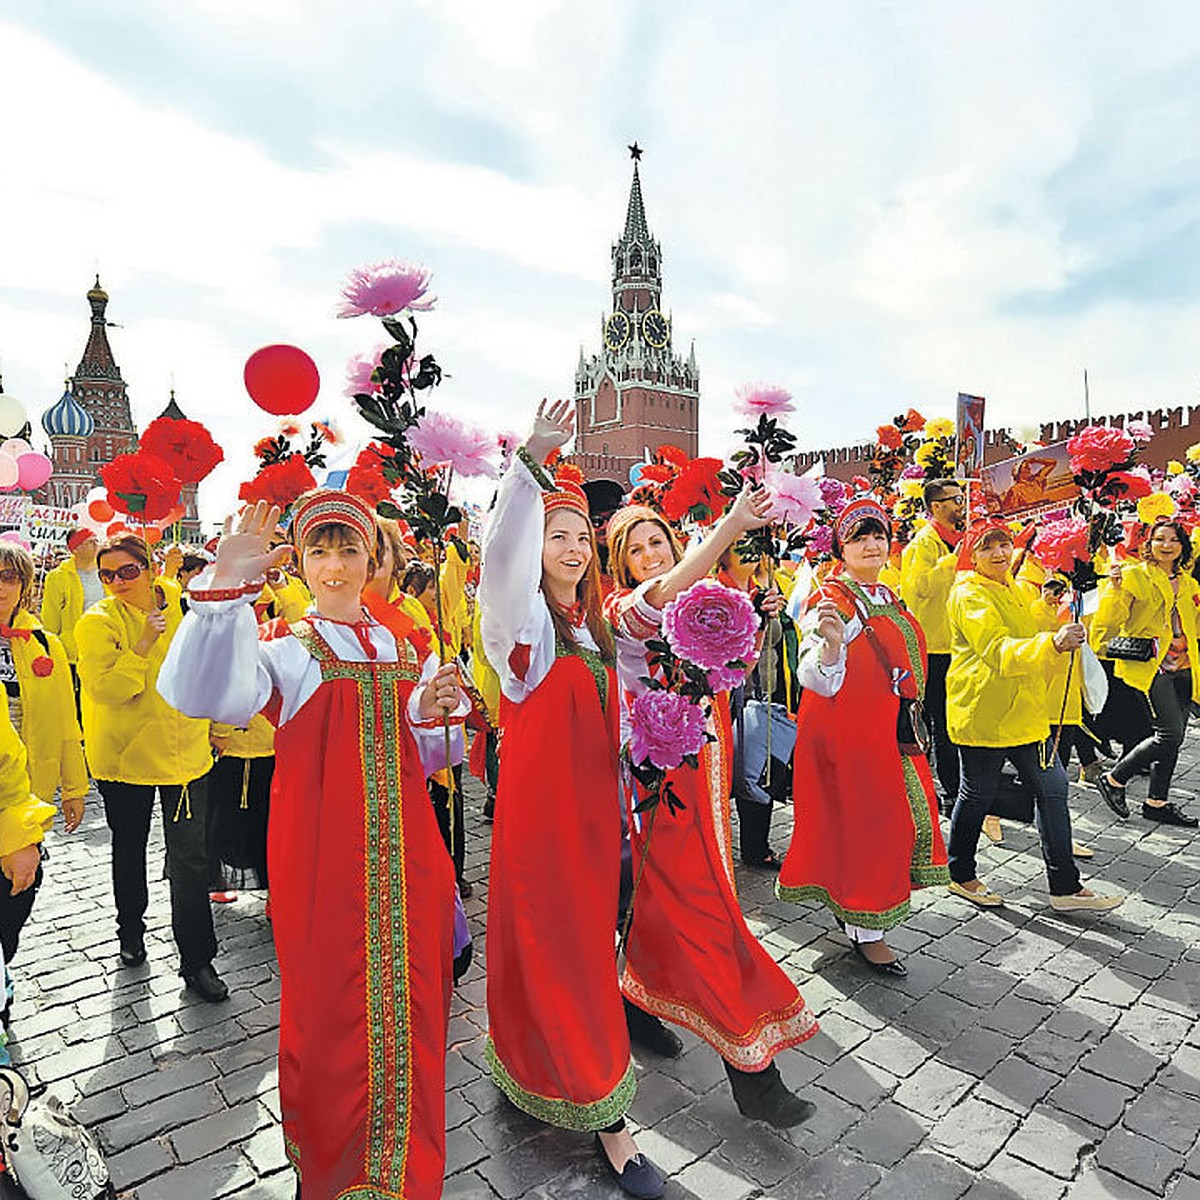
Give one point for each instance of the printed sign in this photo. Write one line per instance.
(968, 448)
(1034, 482)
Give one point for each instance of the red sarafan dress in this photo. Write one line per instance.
(866, 830)
(362, 891)
(691, 958)
(558, 1045)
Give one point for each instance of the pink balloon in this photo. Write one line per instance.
(15, 447)
(9, 471)
(32, 471)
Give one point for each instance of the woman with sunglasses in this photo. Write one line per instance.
(138, 744)
(41, 705)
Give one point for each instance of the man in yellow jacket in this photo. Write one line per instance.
(71, 589)
(926, 576)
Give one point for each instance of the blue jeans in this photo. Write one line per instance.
(977, 789)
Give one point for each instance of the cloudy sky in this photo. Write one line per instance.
(875, 204)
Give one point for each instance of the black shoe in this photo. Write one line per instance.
(1169, 814)
(639, 1177)
(133, 954)
(894, 968)
(207, 984)
(650, 1033)
(1114, 797)
(489, 809)
(763, 1096)
(772, 862)
(465, 889)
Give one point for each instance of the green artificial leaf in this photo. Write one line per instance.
(385, 508)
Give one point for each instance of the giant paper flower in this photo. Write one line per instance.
(1155, 506)
(185, 446)
(756, 399)
(794, 498)
(281, 483)
(665, 727)
(833, 493)
(1192, 453)
(385, 288)
(1129, 485)
(913, 421)
(1141, 431)
(1098, 448)
(695, 490)
(889, 437)
(939, 427)
(820, 543)
(1061, 544)
(359, 370)
(443, 440)
(366, 478)
(711, 625)
(141, 485)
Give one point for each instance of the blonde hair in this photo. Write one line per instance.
(14, 555)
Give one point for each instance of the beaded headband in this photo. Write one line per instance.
(328, 507)
(566, 495)
(861, 508)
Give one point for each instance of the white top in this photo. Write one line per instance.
(827, 681)
(226, 632)
(93, 589)
(512, 608)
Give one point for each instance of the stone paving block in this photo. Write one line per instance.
(1159, 1032)
(1098, 1101)
(213, 1177)
(677, 1141)
(1118, 1058)
(827, 1127)
(463, 1150)
(168, 1081)
(895, 1050)
(514, 1170)
(1016, 1084)
(658, 1095)
(720, 1182)
(836, 1037)
(1023, 1179)
(1138, 1159)
(976, 1051)
(1098, 1184)
(1015, 1016)
(279, 1186)
(1165, 1116)
(924, 1176)
(763, 1158)
(140, 1162)
(139, 1124)
(886, 1135)
(858, 1081)
(938, 1018)
(1051, 1052)
(1053, 1141)
(973, 1132)
(933, 1089)
(834, 1175)
(223, 1128)
(980, 985)
(265, 1150)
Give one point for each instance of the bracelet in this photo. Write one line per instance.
(212, 595)
(540, 476)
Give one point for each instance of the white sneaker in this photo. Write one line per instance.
(1084, 903)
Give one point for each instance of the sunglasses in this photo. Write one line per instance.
(10, 575)
(129, 572)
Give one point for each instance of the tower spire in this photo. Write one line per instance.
(636, 228)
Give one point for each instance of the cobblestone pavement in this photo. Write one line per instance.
(1027, 1055)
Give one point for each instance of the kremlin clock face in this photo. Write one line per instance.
(616, 331)
(655, 329)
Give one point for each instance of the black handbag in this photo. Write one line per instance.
(1132, 649)
(912, 730)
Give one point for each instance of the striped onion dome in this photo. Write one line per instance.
(68, 418)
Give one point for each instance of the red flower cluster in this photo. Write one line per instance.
(913, 421)
(1129, 485)
(1063, 544)
(280, 483)
(185, 446)
(568, 473)
(1098, 448)
(141, 485)
(889, 437)
(695, 486)
(366, 477)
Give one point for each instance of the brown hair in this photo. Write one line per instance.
(387, 533)
(1181, 533)
(590, 593)
(125, 543)
(13, 554)
(624, 521)
(859, 529)
(417, 575)
(336, 534)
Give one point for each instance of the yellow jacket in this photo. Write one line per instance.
(24, 818)
(1142, 608)
(926, 577)
(62, 603)
(49, 727)
(483, 675)
(455, 617)
(290, 598)
(257, 740)
(1000, 665)
(131, 733)
(1045, 617)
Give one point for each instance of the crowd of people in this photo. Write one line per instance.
(301, 698)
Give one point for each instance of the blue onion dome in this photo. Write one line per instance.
(68, 418)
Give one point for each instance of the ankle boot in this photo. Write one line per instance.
(647, 1031)
(763, 1096)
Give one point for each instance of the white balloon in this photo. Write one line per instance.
(9, 471)
(15, 447)
(12, 415)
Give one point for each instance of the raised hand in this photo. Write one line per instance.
(244, 552)
(551, 428)
(832, 629)
(751, 509)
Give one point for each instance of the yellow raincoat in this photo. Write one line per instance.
(927, 573)
(24, 818)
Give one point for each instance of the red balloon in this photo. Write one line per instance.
(152, 535)
(101, 510)
(282, 379)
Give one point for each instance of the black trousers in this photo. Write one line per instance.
(239, 804)
(754, 826)
(14, 912)
(440, 796)
(945, 752)
(127, 809)
(1168, 704)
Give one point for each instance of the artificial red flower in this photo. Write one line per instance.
(280, 483)
(672, 456)
(889, 437)
(1097, 448)
(1130, 485)
(913, 421)
(567, 473)
(656, 473)
(42, 666)
(263, 447)
(185, 446)
(366, 478)
(1061, 545)
(696, 486)
(141, 485)
(552, 458)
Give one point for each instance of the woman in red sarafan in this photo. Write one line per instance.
(362, 891)
(558, 1046)
(690, 957)
(866, 830)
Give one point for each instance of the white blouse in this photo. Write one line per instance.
(513, 610)
(811, 673)
(217, 669)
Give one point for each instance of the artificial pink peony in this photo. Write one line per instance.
(834, 493)
(725, 679)
(665, 727)
(1098, 448)
(794, 498)
(1140, 431)
(385, 288)
(711, 625)
(443, 440)
(508, 443)
(359, 371)
(753, 399)
(1062, 544)
(820, 543)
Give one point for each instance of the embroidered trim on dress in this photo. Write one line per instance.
(593, 660)
(565, 1114)
(922, 870)
(752, 1051)
(888, 919)
(540, 475)
(903, 622)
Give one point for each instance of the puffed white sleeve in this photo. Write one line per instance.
(811, 673)
(215, 667)
(429, 736)
(518, 634)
